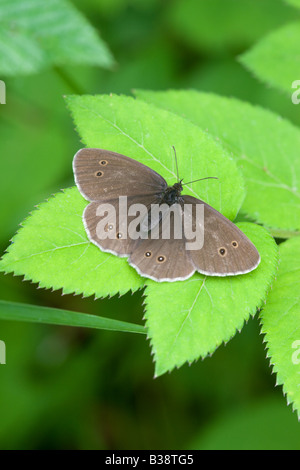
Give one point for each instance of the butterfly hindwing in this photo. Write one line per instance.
(109, 226)
(164, 258)
(226, 250)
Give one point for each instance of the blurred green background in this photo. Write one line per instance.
(81, 389)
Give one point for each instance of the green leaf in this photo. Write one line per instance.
(264, 145)
(207, 311)
(274, 59)
(281, 322)
(37, 34)
(19, 54)
(13, 311)
(52, 249)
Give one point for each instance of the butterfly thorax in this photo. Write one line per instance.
(172, 194)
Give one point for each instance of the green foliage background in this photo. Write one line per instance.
(65, 387)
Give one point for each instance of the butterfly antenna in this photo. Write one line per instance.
(176, 163)
(201, 179)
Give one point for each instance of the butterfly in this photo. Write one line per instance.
(105, 178)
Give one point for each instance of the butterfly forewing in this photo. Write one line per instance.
(102, 175)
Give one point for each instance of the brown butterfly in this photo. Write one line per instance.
(103, 176)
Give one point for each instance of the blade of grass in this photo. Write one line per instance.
(54, 316)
